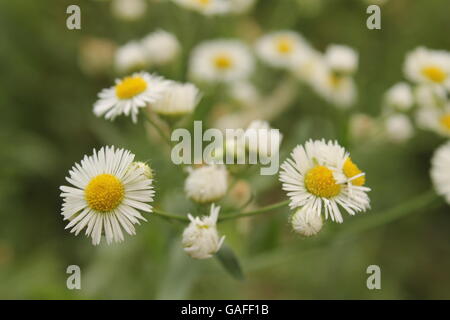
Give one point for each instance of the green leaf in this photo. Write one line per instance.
(230, 262)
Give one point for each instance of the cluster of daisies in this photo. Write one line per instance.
(422, 101)
(329, 74)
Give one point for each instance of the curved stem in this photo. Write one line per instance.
(170, 216)
(254, 212)
(161, 132)
(237, 215)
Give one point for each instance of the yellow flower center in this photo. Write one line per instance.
(320, 182)
(445, 121)
(433, 73)
(130, 87)
(285, 45)
(350, 170)
(203, 2)
(222, 61)
(335, 80)
(104, 192)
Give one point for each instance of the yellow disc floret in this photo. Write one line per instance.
(130, 87)
(320, 182)
(104, 192)
(285, 45)
(350, 170)
(433, 73)
(445, 121)
(222, 61)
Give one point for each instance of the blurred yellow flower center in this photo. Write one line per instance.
(285, 45)
(222, 61)
(335, 80)
(434, 74)
(320, 182)
(445, 121)
(351, 170)
(104, 192)
(203, 2)
(130, 87)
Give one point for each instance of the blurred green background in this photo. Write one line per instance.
(47, 124)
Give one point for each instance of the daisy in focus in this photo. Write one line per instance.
(280, 48)
(321, 177)
(129, 94)
(107, 191)
(201, 239)
(428, 66)
(221, 61)
(440, 171)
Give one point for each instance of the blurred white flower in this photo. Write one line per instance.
(221, 60)
(177, 99)
(306, 222)
(440, 171)
(362, 126)
(128, 9)
(130, 57)
(129, 94)
(434, 119)
(341, 59)
(320, 177)
(206, 7)
(161, 47)
(261, 139)
(399, 97)
(201, 239)
(107, 192)
(241, 6)
(96, 55)
(206, 184)
(398, 128)
(429, 96)
(279, 48)
(424, 65)
(308, 65)
(338, 90)
(245, 93)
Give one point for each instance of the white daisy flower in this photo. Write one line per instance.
(306, 66)
(398, 128)
(423, 65)
(341, 59)
(129, 94)
(178, 99)
(107, 191)
(306, 222)
(206, 184)
(440, 171)
(339, 90)
(262, 139)
(130, 57)
(129, 10)
(434, 119)
(321, 177)
(206, 7)
(221, 61)
(399, 97)
(278, 49)
(161, 47)
(430, 96)
(201, 239)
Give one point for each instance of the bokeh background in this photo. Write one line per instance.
(47, 124)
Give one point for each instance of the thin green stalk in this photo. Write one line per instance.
(161, 132)
(237, 215)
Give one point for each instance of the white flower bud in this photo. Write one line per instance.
(400, 96)
(178, 99)
(341, 59)
(398, 128)
(306, 222)
(207, 183)
(201, 239)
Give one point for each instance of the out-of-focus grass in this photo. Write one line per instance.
(47, 124)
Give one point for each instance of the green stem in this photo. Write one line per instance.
(237, 215)
(254, 212)
(161, 132)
